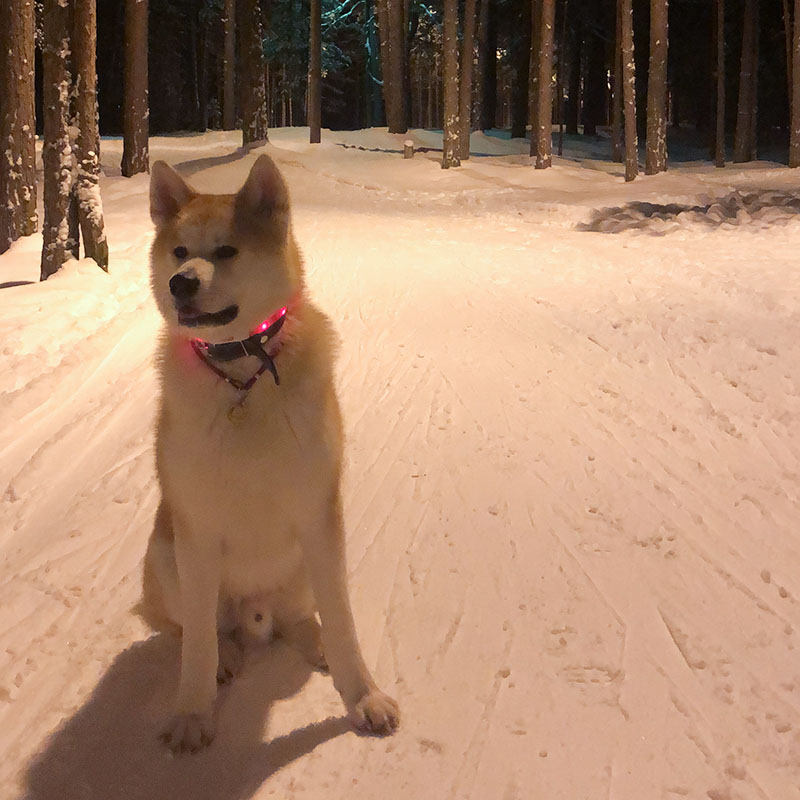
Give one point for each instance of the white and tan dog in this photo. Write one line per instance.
(251, 513)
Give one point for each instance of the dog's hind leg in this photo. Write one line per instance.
(296, 623)
(160, 604)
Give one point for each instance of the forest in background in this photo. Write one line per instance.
(719, 73)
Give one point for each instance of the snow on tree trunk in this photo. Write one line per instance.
(229, 67)
(544, 112)
(465, 85)
(719, 136)
(136, 113)
(629, 91)
(315, 72)
(56, 153)
(87, 179)
(254, 93)
(450, 56)
(744, 144)
(656, 154)
(17, 124)
(794, 127)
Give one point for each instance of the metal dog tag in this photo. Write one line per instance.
(237, 414)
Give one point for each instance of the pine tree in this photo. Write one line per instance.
(391, 29)
(656, 153)
(254, 93)
(794, 125)
(450, 55)
(136, 128)
(57, 155)
(465, 84)
(629, 90)
(315, 73)
(719, 136)
(17, 124)
(229, 66)
(522, 64)
(744, 143)
(543, 134)
(87, 149)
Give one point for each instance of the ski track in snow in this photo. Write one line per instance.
(571, 496)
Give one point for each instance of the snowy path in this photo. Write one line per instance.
(572, 501)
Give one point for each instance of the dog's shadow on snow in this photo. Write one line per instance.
(109, 748)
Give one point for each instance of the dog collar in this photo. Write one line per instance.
(254, 345)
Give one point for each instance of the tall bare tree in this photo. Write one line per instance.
(522, 57)
(57, 151)
(450, 56)
(744, 142)
(229, 67)
(617, 135)
(315, 73)
(87, 146)
(252, 83)
(629, 90)
(794, 127)
(719, 136)
(135, 118)
(391, 28)
(17, 124)
(465, 83)
(542, 136)
(656, 152)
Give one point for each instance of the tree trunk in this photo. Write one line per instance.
(56, 151)
(465, 85)
(390, 29)
(450, 55)
(788, 39)
(254, 93)
(87, 155)
(794, 126)
(629, 91)
(562, 55)
(315, 73)
(17, 124)
(544, 110)
(533, 73)
(229, 67)
(744, 140)
(719, 143)
(489, 76)
(135, 122)
(617, 136)
(522, 60)
(595, 80)
(572, 105)
(656, 154)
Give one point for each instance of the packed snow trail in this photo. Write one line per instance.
(571, 495)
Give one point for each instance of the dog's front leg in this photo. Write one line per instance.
(198, 561)
(324, 555)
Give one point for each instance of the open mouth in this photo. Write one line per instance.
(191, 317)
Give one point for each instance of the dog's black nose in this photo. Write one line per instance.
(183, 286)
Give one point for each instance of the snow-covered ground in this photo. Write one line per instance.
(571, 496)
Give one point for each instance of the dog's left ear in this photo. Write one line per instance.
(264, 194)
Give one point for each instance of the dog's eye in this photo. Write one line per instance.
(225, 251)
(180, 251)
(258, 617)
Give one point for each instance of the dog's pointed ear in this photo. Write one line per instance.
(264, 194)
(169, 193)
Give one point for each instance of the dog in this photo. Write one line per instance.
(248, 452)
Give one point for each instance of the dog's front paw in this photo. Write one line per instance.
(376, 713)
(188, 733)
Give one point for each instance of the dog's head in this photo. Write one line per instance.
(221, 264)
